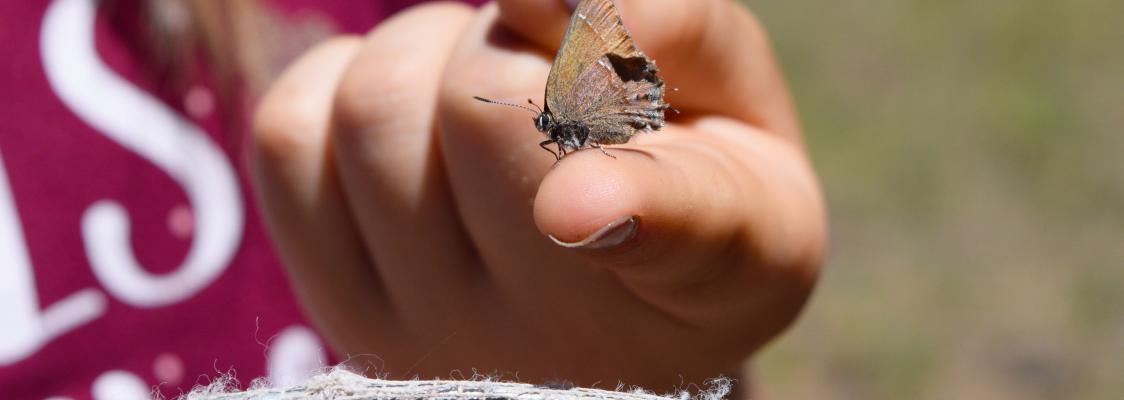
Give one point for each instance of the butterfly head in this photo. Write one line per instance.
(567, 134)
(544, 122)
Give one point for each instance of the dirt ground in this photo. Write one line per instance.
(973, 158)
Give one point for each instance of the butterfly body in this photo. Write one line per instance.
(568, 135)
(601, 90)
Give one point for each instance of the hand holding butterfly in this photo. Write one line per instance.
(414, 221)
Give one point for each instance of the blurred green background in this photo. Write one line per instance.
(971, 153)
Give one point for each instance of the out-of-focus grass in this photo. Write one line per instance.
(972, 153)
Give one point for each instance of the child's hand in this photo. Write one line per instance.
(413, 219)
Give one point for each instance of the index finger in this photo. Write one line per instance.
(713, 51)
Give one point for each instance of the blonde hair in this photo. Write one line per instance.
(243, 44)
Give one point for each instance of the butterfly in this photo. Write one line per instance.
(601, 90)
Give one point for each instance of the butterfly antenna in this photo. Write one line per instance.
(532, 102)
(507, 104)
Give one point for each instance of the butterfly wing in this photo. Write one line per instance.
(595, 30)
(617, 111)
(600, 78)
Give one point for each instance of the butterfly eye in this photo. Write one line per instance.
(542, 122)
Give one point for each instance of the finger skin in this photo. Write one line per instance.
(693, 261)
(713, 53)
(383, 126)
(303, 204)
(729, 242)
(725, 208)
(712, 212)
(726, 197)
(495, 167)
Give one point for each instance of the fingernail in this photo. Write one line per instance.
(610, 235)
(573, 4)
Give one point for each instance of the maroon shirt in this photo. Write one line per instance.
(131, 253)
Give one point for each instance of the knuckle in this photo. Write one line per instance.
(377, 98)
(426, 12)
(392, 80)
(284, 126)
(378, 86)
(293, 113)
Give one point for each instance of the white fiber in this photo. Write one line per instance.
(340, 384)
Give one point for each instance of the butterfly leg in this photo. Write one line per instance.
(556, 155)
(598, 147)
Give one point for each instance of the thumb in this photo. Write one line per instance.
(691, 221)
(650, 211)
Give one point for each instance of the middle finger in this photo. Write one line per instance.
(391, 169)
